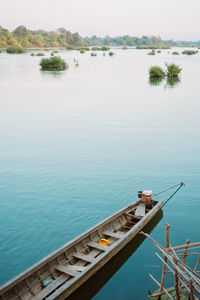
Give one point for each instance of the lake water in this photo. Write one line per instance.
(76, 146)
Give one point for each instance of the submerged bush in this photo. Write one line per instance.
(53, 64)
(96, 49)
(55, 51)
(32, 54)
(173, 70)
(175, 53)
(124, 48)
(93, 54)
(111, 53)
(14, 50)
(105, 48)
(159, 51)
(151, 53)
(82, 51)
(70, 48)
(190, 52)
(40, 54)
(156, 72)
(52, 54)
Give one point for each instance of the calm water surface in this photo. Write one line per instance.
(76, 146)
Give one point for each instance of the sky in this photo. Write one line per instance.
(169, 19)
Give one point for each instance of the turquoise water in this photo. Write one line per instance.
(76, 146)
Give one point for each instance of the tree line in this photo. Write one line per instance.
(25, 38)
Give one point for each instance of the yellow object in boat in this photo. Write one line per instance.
(104, 242)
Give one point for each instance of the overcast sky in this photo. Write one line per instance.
(171, 19)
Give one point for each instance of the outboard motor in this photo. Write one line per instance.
(145, 196)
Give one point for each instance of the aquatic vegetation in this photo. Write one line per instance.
(32, 54)
(190, 52)
(105, 48)
(175, 53)
(159, 51)
(82, 49)
(111, 53)
(70, 48)
(55, 51)
(52, 54)
(96, 48)
(124, 48)
(93, 54)
(15, 50)
(156, 72)
(53, 64)
(151, 53)
(40, 54)
(173, 70)
(46, 49)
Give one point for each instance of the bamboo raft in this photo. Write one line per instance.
(186, 278)
(59, 274)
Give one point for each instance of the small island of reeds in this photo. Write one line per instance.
(157, 73)
(190, 52)
(54, 63)
(15, 50)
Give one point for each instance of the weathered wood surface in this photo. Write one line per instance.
(71, 265)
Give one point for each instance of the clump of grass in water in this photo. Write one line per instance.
(190, 52)
(156, 72)
(93, 54)
(14, 50)
(70, 48)
(55, 51)
(82, 51)
(105, 48)
(111, 53)
(159, 51)
(52, 54)
(173, 70)
(175, 53)
(53, 64)
(32, 54)
(40, 54)
(124, 48)
(151, 53)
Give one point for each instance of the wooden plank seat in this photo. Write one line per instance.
(113, 234)
(97, 246)
(67, 270)
(51, 287)
(83, 257)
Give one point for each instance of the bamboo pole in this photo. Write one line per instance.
(167, 227)
(176, 280)
(191, 295)
(183, 262)
(160, 285)
(183, 246)
(198, 261)
(172, 271)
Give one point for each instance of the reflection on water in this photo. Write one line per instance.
(155, 81)
(94, 284)
(172, 82)
(52, 73)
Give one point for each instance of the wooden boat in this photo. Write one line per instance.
(59, 274)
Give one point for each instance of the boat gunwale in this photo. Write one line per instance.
(105, 254)
(24, 274)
